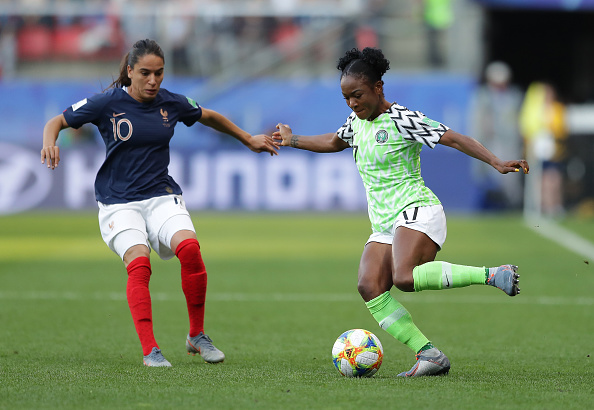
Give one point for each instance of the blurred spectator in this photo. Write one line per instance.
(71, 37)
(286, 38)
(178, 37)
(438, 16)
(135, 22)
(495, 123)
(203, 37)
(366, 36)
(542, 120)
(7, 48)
(101, 35)
(34, 38)
(366, 33)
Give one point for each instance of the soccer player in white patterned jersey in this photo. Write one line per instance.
(389, 163)
(140, 205)
(407, 219)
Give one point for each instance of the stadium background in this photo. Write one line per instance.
(282, 285)
(261, 62)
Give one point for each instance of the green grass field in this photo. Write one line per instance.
(282, 287)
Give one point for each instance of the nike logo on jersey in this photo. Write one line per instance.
(117, 115)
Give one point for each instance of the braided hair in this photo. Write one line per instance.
(140, 49)
(369, 63)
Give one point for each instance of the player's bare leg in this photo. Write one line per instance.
(375, 282)
(375, 270)
(410, 249)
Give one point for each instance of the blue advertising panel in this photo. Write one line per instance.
(214, 170)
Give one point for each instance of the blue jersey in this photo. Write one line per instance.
(136, 137)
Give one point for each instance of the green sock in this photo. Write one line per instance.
(444, 275)
(395, 319)
(426, 347)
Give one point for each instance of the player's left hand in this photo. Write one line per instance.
(513, 166)
(263, 143)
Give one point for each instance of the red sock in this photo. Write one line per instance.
(139, 301)
(193, 278)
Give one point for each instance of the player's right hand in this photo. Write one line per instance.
(52, 155)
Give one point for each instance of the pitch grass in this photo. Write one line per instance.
(282, 287)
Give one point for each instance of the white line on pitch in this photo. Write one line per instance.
(556, 233)
(441, 298)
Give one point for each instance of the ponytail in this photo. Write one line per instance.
(123, 80)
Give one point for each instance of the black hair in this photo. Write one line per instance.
(369, 63)
(140, 49)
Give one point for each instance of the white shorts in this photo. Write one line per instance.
(430, 220)
(151, 222)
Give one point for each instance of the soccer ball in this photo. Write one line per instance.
(357, 353)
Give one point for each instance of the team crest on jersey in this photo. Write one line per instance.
(381, 136)
(165, 119)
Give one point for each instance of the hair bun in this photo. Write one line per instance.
(375, 58)
(370, 63)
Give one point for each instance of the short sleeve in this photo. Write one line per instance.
(346, 132)
(84, 111)
(415, 126)
(191, 112)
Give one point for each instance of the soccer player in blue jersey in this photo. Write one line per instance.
(408, 222)
(140, 205)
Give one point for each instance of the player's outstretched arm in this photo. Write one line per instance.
(50, 151)
(475, 149)
(257, 143)
(316, 143)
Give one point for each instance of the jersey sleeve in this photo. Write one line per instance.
(190, 112)
(346, 132)
(85, 111)
(415, 126)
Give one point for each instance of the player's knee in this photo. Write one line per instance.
(130, 244)
(364, 291)
(188, 253)
(188, 248)
(368, 290)
(404, 281)
(135, 252)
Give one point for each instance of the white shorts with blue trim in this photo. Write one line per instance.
(430, 220)
(151, 222)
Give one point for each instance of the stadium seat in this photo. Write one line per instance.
(67, 42)
(34, 43)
